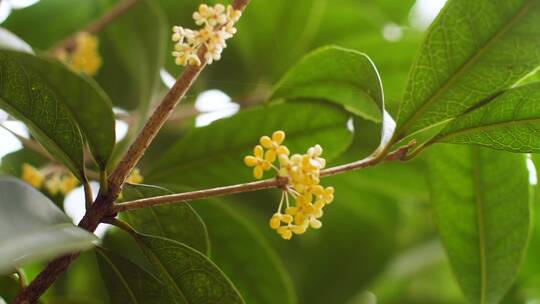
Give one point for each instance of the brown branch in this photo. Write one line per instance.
(100, 209)
(200, 194)
(96, 26)
(278, 182)
(153, 125)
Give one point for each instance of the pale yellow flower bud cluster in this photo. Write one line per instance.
(217, 26)
(303, 174)
(85, 57)
(52, 181)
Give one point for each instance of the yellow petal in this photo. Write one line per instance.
(270, 156)
(266, 142)
(278, 137)
(258, 151)
(258, 172)
(250, 161)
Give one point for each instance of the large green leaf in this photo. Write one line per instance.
(51, 98)
(342, 76)
(178, 222)
(33, 228)
(213, 155)
(190, 276)
(510, 122)
(129, 283)
(132, 46)
(245, 257)
(473, 50)
(481, 203)
(26, 95)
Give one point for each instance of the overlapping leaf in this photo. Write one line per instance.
(129, 283)
(189, 275)
(481, 202)
(178, 222)
(214, 154)
(510, 122)
(57, 105)
(473, 50)
(231, 235)
(33, 228)
(343, 76)
(27, 96)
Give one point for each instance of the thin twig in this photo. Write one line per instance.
(96, 26)
(278, 182)
(200, 194)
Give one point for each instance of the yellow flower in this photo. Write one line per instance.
(85, 56)
(303, 176)
(135, 177)
(32, 175)
(258, 162)
(53, 184)
(217, 26)
(67, 183)
(274, 145)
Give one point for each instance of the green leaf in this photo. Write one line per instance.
(473, 50)
(9, 287)
(245, 257)
(133, 49)
(189, 275)
(214, 154)
(9, 41)
(129, 283)
(32, 228)
(481, 203)
(12, 162)
(27, 96)
(343, 76)
(178, 222)
(355, 243)
(55, 102)
(49, 21)
(510, 122)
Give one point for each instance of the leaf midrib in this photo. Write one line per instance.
(480, 222)
(487, 127)
(164, 270)
(120, 276)
(464, 68)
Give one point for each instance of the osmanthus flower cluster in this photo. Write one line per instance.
(217, 26)
(84, 58)
(303, 184)
(51, 180)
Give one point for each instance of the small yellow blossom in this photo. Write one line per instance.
(258, 162)
(135, 177)
(273, 145)
(52, 181)
(217, 26)
(303, 174)
(32, 175)
(85, 56)
(68, 182)
(52, 184)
